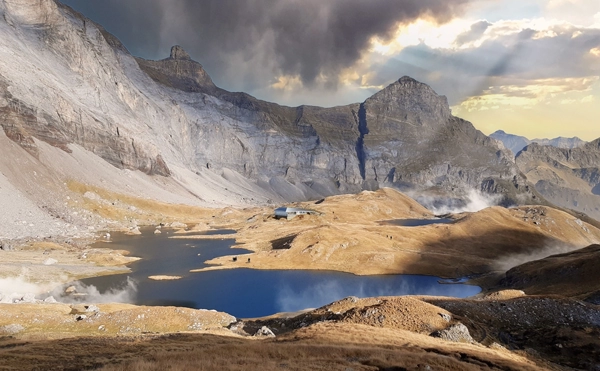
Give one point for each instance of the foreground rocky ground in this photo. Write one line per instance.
(506, 330)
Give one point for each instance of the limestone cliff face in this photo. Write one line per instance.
(58, 81)
(567, 177)
(64, 79)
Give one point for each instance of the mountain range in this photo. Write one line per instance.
(516, 142)
(71, 94)
(568, 178)
(565, 171)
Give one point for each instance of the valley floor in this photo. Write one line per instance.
(506, 331)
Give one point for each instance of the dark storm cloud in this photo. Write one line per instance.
(255, 40)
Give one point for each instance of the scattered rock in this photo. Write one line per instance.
(458, 333)
(80, 317)
(28, 298)
(101, 328)
(6, 299)
(265, 332)
(11, 329)
(50, 261)
(496, 346)
(134, 231)
(446, 317)
(157, 231)
(92, 196)
(92, 308)
(50, 300)
(178, 225)
(5, 246)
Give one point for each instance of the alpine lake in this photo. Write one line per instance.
(244, 293)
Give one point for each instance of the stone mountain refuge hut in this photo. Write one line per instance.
(292, 212)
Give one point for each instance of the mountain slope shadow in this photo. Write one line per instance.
(489, 252)
(570, 274)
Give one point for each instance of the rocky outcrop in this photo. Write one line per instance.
(458, 333)
(567, 177)
(179, 71)
(42, 13)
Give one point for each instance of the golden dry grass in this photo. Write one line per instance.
(120, 206)
(349, 237)
(58, 320)
(319, 347)
(386, 333)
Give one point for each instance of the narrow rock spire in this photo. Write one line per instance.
(177, 52)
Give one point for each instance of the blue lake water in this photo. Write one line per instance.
(416, 222)
(245, 293)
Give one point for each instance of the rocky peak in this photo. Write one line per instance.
(412, 100)
(177, 52)
(179, 71)
(39, 13)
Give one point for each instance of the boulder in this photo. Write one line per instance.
(50, 300)
(5, 246)
(28, 298)
(6, 299)
(264, 332)
(11, 329)
(50, 261)
(446, 317)
(92, 308)
(458, 333)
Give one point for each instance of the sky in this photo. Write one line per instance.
(528, 67)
